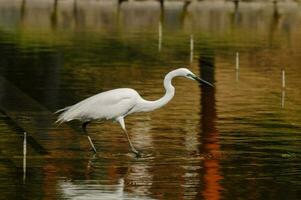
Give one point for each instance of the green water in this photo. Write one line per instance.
(240, 140)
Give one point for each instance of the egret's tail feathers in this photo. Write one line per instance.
(59, 121)
(62, 116)
(61, 110)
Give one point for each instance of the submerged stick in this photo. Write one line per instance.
(283, 79)
(160, 36)
(237, 61)
(24, 157)
(191, 48)
(237, 66)
(283, 88)
(282, 98)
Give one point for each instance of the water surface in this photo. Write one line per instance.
(240, 140)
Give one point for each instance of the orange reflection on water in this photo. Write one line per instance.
(211, 178)
(211, 166)
(210, 146)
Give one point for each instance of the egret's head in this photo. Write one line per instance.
(188, 74)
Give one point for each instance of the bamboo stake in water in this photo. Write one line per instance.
(237, 61)
(283, 89)
(160, 36)
(282, 98)
(283, 79)
(237, 66)
(191, 48)
(24, 157)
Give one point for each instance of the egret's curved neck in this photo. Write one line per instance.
(169, 93)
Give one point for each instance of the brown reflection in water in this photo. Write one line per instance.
(53, 169)
(236, 12)
(53, 17)
(22, 10)
(209, 137)
(275, 21)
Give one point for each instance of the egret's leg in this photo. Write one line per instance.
(84, 126)
(121, 121)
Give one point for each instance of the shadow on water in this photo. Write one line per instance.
(236, 140)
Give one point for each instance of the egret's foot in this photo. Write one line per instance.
(94, 150)
(137, 153)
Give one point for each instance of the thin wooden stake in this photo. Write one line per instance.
(160, 36)
(24, 157)
(283, 79)
(237, 61)
(283, 88)
(237, 66)
(191, 48)
(282, 98)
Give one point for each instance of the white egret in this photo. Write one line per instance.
(118, 103)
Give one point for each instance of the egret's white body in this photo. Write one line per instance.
(118, 103)
(106, 105)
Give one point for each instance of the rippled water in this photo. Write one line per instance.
(240, 140)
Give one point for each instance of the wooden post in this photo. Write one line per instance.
(237, 66)
(283, 79)
(237, 61)
(283, 88)
(160, 36)
(191, 48)
(24, 157)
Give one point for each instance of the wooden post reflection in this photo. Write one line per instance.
(274, 22)
(162, 7)
(236, 15)
(209, 144)
(22, 11)
(75, 13)
(161, 10)
(119, 10)
(185, 11)
(53, 16)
